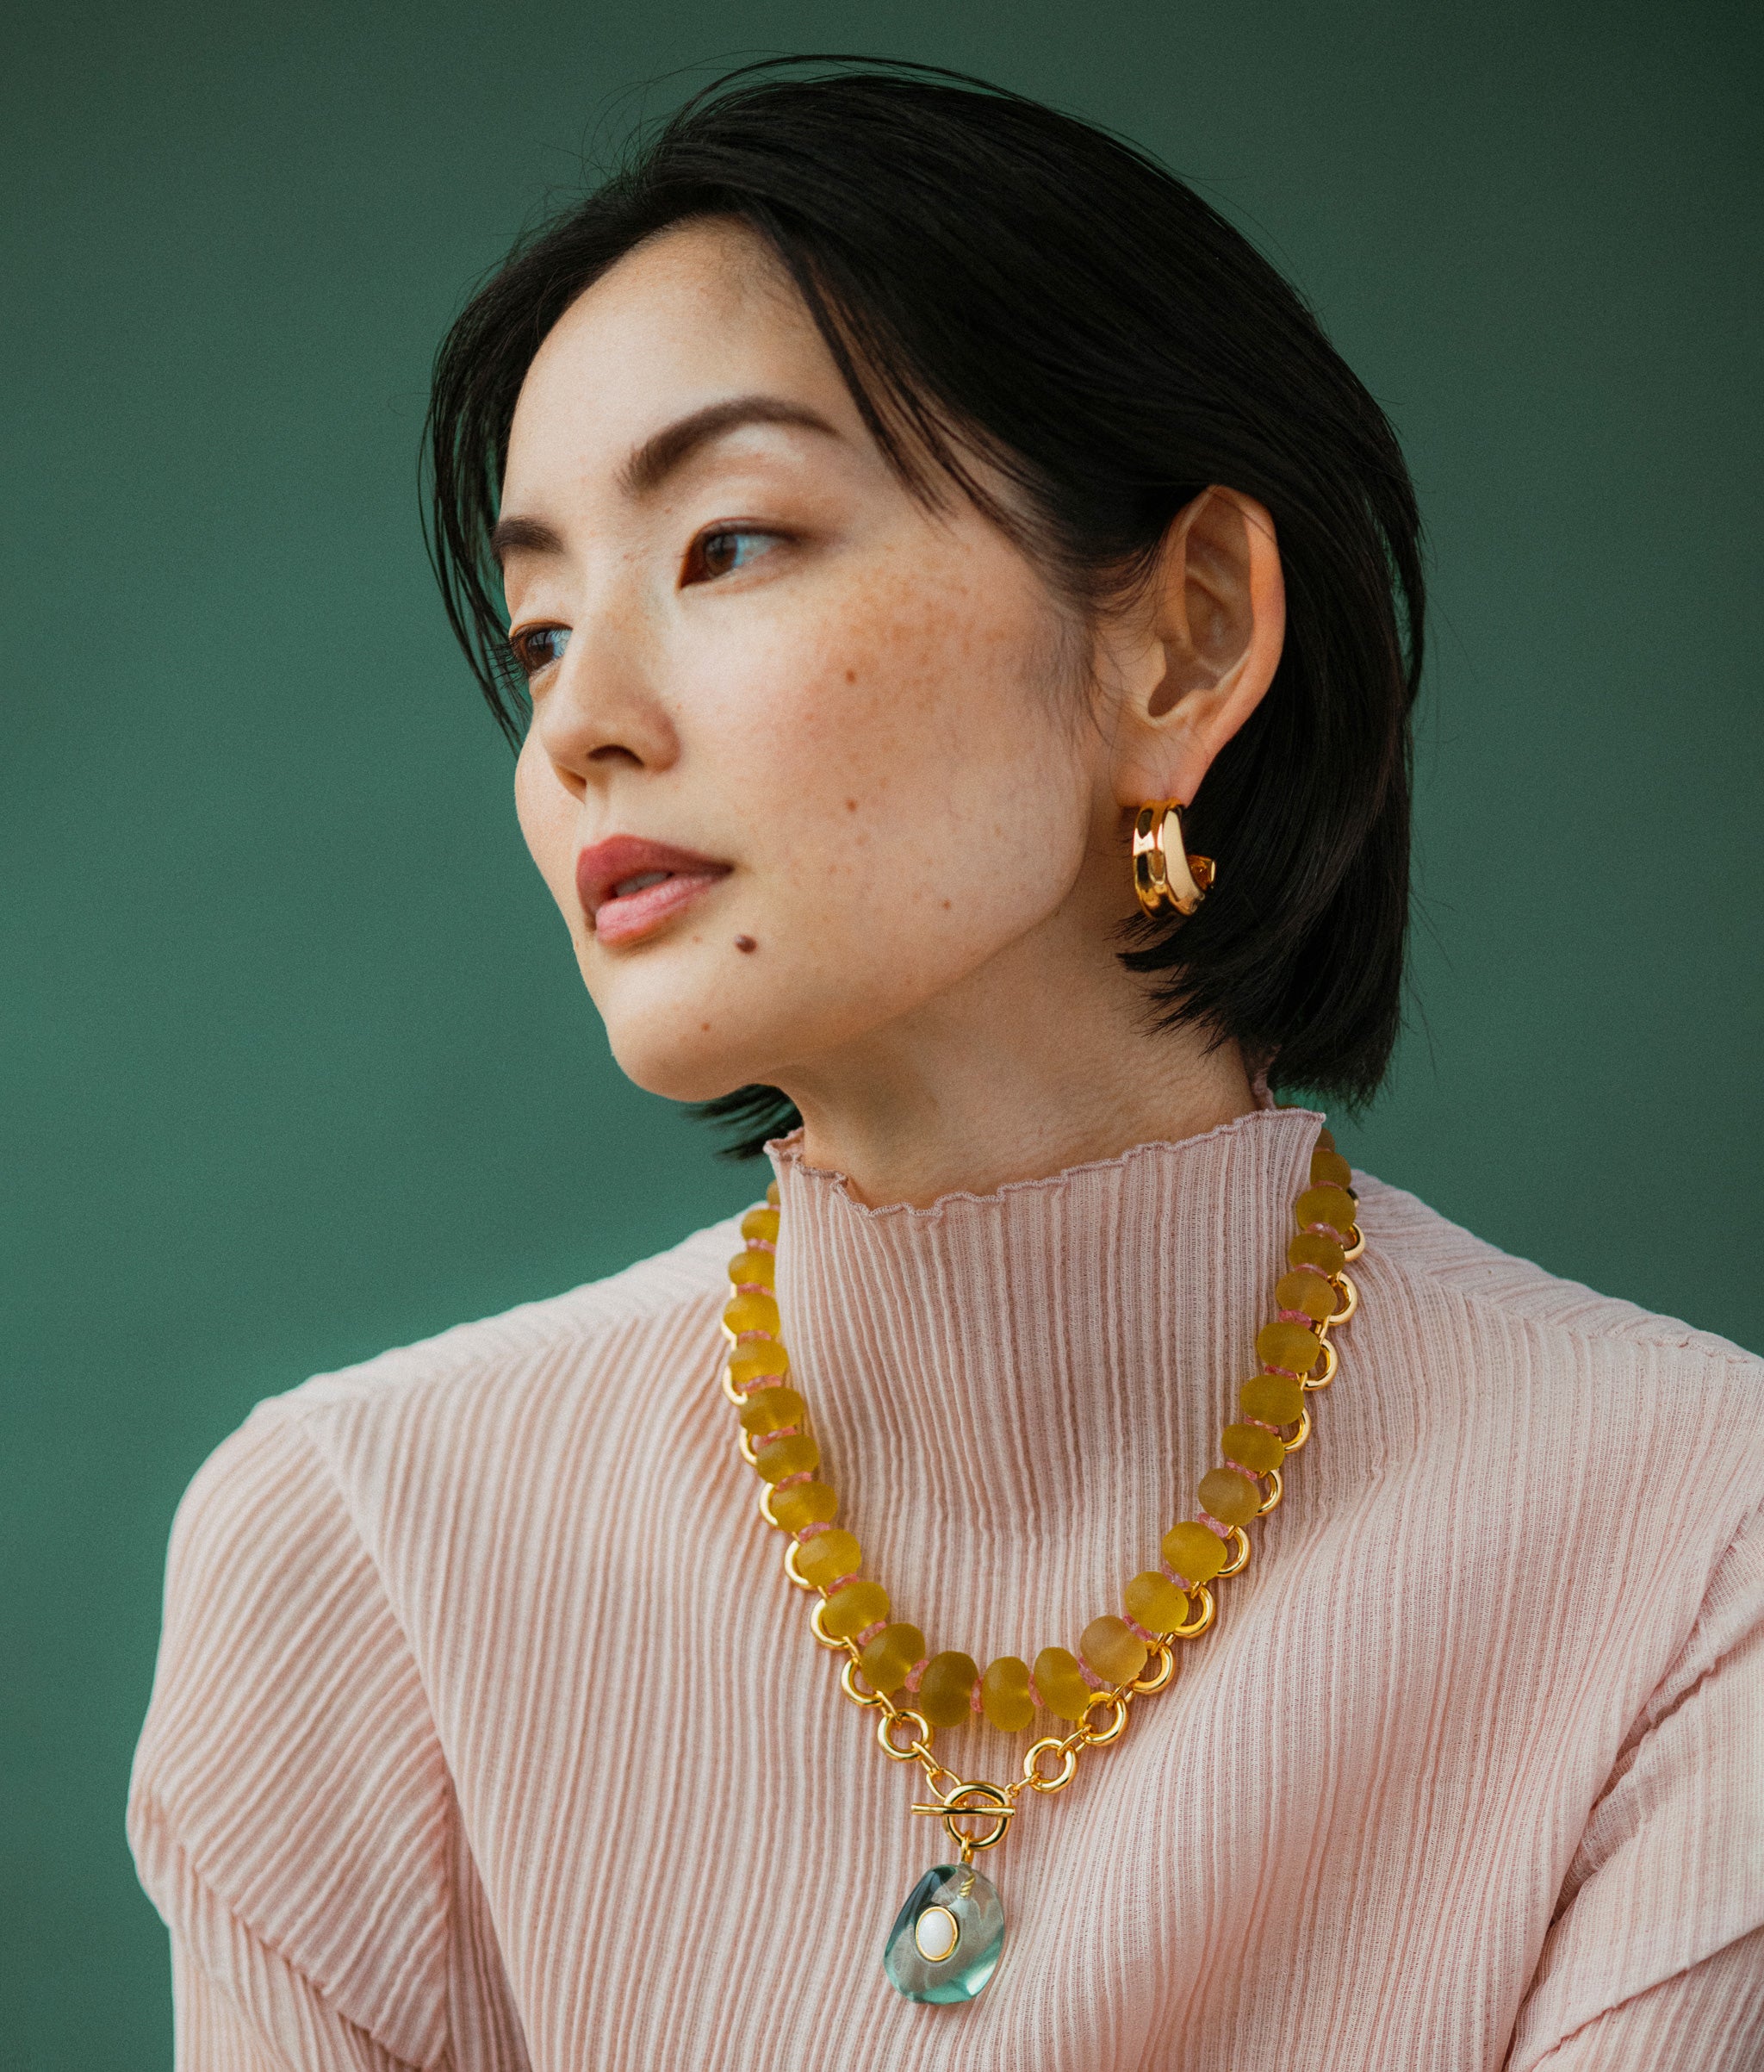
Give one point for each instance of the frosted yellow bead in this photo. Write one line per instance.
(1306, 1292)
(1252, 1447)
(755, 1269)
(1330, 1169)
(1331, 1205)
(1227, 1494)
(827, 1557)
(794, 1455)
(1326, 1142)
(751, 1313)
(890, 1655)
(803, 1503)
(771, 1411)
(1272, 1398)
(1155, 1602)
(1114, 1650)
(1005, 1695)
(1312, 1249)
(1194, 1550)
(1063, 1689)
(947, 1688)
(1289, 1345)
(761, 1224)
(850, 1610)
(757, 1358)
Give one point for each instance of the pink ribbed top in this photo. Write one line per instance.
(488, 1732)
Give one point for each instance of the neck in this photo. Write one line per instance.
(1012, 1080)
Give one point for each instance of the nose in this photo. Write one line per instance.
(602, 711)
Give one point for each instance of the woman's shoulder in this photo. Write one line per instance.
(1432, 1258)
(655, 1320)
(632, 1313)
(324, 1573)
(383, 1462)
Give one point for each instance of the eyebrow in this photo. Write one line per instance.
(669, 448)
(649, 464)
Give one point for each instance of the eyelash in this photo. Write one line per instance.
(521, 645)
(695, 553)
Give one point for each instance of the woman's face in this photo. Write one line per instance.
(807, 759)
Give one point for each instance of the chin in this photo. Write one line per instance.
(672, 1055)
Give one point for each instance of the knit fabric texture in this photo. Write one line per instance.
(488, 1732)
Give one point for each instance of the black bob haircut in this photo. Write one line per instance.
(993, 277)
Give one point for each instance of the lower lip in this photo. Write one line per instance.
(640, 913)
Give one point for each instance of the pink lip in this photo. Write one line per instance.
(618, 918)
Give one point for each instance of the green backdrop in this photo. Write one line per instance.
(296, 1062)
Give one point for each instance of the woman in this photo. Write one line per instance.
(909, 504)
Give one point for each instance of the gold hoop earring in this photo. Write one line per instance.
(1165, 875)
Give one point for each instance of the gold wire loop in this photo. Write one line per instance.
(737, 1395)
(850, 1679)
(1304, 1432)
(1350, 1302)
(916, 1724)
(1239, 1539)
(1160, 1667)
(821, 1633)
(1196, 1626)
(1332, 1360)
(767, 1513)
(747, 1447)
(1350, 1253)
(1103, 1737)
(1276, 1490)
(1049, 1745)
(791, 1549)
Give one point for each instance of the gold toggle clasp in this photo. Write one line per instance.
(997, 1805)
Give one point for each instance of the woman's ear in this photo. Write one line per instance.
(1201, 649)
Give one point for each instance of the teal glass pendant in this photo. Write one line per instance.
(945, 1944)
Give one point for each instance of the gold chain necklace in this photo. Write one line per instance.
(945, 1942)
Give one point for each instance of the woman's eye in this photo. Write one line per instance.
(721, 552)
(539, 647)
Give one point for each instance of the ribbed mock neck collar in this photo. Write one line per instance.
(1037, 1373)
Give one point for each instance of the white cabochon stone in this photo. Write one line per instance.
(936, 1932)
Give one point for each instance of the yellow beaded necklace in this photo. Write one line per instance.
(947, 1939)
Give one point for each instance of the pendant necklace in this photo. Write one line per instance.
(947, 1939)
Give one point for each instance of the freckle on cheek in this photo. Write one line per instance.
(851, 806)
(851, 675)
(746, 943)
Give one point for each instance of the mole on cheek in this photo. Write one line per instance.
(851, 806)
(746, 943)
(851, 675)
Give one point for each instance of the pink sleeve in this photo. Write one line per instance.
(287, 2028)
(291, 1812)
(1657, 1935)
(1711, 2018)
